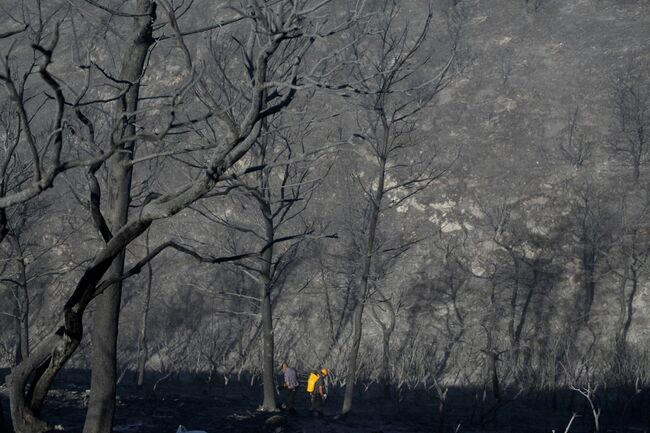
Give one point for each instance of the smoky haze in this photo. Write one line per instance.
(445, 204)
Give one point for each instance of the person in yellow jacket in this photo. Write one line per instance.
(317, 388)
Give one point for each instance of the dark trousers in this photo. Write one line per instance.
(291, 399)
(316, 403)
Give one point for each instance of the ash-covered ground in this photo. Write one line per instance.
(215, 407)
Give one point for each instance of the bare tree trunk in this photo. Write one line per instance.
(268, 375)
(269, 403)
(22, 304)
(442, 396)
(629, 305)
(513, 303)
(357, 319)
(142, 338)
(385, 361)
(24, 314)
(518, 330)
(626, 301)
(622, 300)
(335, 329)
(386, 333)
(4, 228)
(18, 350)
(492, 357)
(101, 405)
(589, 285)
(523, 316)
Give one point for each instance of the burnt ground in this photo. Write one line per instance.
(197, 405)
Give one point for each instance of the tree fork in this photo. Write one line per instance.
(101, 405)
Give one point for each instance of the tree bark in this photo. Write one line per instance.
(22, 304)
(268, 375)
(385, 361)
(4, 228)
(18, 350)
(492, 357)
(518, 330)
(628, 311)
(142, 338)
(386, 332)
(357, 321)
(24, 314)
(101, 405)
(589, 274)
(513, 302)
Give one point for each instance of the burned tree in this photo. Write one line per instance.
(591, 227)
(143, 350)
(576, 147)
(384, 312)
(30, 263)
(630, 88)
(389, 110)
(628, 259)
(282, 179)
(101, 406)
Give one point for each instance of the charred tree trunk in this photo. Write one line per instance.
(629, 305)
(4, 228)
(357, 320)
(386, 333)
(21, 310)
(492, 358)
(269, 403)
(266, 309)
(518, 330)
(514, 298)
(622, 301)
(385, 362)
(524, 315)
(589, 283)
(101, 405)
(142, 338)
(335, 329)
(23, 318)
(636, 163)
(18, 350)
(442, 398)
